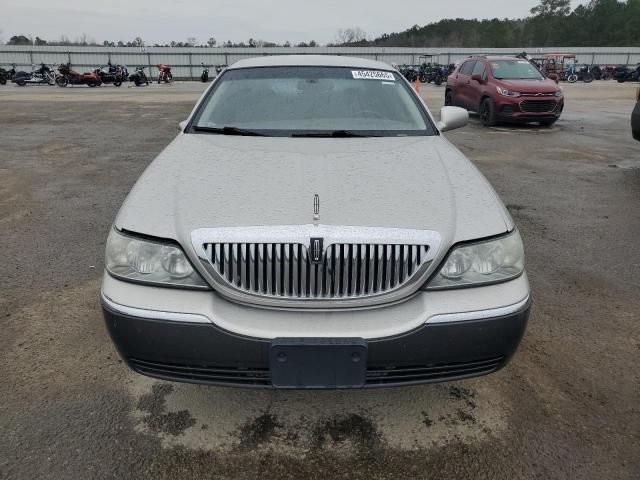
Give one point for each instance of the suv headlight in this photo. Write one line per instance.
(146, 261)
(507, 93)
(559, 93)
(490, 261)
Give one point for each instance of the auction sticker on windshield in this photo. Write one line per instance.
(372, 75)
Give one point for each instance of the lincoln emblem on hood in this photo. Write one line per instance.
(316, 206)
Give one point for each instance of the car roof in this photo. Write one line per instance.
(496, 57)
(310, 61)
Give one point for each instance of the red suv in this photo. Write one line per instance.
(508, 89)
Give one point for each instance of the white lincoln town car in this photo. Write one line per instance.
(311, 227)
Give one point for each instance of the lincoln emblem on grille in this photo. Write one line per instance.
(316, 250)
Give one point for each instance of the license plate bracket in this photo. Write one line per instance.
(314, 363)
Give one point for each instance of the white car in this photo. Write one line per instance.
(311, 227)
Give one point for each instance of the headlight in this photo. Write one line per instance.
(507, 93)
(479, 263)
(559, 93)
(146, 261)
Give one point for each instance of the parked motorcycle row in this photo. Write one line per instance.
(110, 74)
(589, 73)
(426, 72)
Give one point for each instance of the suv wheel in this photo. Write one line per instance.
(488, 112)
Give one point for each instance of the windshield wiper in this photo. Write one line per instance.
(229, 131)
(334, 134)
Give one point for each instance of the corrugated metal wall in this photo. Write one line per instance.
(186, 61)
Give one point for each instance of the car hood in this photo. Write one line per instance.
(205, 181)
(545, 85)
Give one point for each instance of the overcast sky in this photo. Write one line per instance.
(236, 20)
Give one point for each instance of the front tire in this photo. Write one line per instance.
(487, 112)
(572, 78)
(21, 83)
(587, 79)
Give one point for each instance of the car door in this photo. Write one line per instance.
(476, 88)
(463, 83)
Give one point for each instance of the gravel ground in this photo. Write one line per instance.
(567, 406)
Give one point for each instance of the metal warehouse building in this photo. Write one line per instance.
(186, 61)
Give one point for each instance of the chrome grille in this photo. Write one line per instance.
(285, 270)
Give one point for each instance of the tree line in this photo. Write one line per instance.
(85, 41)
(599, 23)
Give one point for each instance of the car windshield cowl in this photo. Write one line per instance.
(227, 130)
(334, 134)
(312, 101)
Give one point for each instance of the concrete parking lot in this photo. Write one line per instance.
(567, 406)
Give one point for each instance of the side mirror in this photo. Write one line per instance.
(182, 125)
(452, 118)
(477, 77)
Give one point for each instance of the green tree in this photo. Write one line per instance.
(19, 40)
(552, 8)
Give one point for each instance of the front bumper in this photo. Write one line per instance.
(512, 109)
(205, 353)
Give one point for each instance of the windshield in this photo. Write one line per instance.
(313, 101)
(514, 70)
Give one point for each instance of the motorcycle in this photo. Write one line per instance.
(68, 76)
(114, 74)
(410, 73)
(139, 77)
(440, 75)
(596, 72)
(7, 75)
(219, 69)
(624, 73)
(608, 72)
(584, 74)
(39, 75)
(424, 73)
(572, 75)
(164, 73)
(204, 77)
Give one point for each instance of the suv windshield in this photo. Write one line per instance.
(514, 70)
(311, 101)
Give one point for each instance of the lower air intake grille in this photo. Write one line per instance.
(538, 106)
(203, 374)
(431, 373)
(261, 377)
